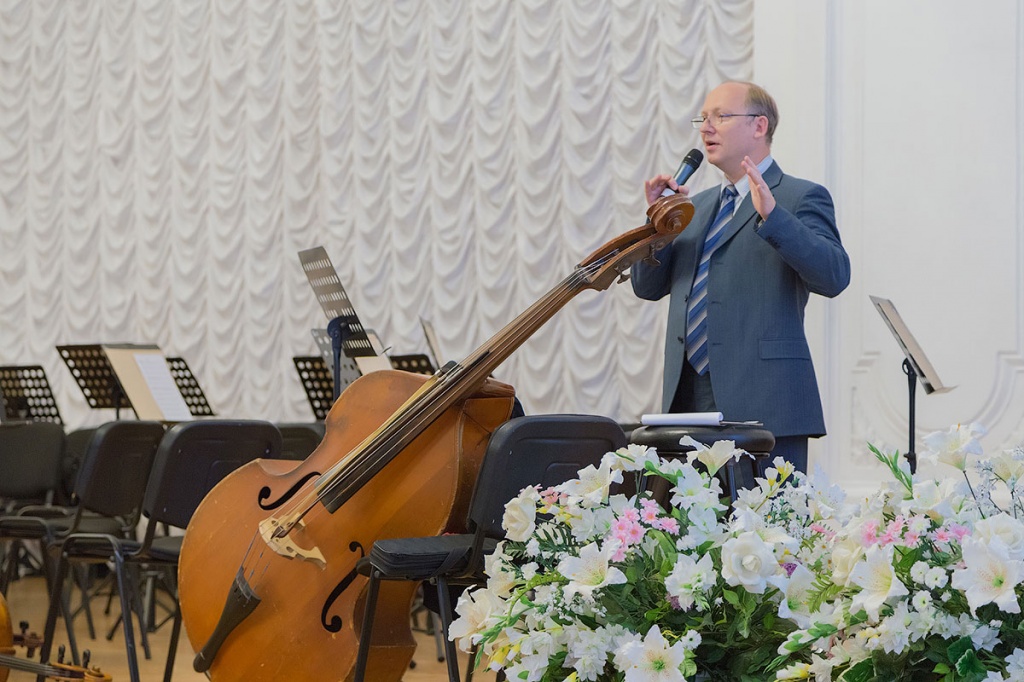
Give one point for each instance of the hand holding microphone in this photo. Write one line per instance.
(662, 185)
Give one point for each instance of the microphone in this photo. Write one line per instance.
(687, 168)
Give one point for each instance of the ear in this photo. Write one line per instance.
(761, 126)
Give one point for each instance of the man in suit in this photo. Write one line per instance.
(739, 277)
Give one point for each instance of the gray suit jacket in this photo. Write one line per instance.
(758, 285)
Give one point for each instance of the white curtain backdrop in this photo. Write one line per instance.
(161, 163)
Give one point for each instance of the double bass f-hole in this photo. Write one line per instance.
(265, 492)
(334, 625)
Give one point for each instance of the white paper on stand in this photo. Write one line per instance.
(161, 384)
(682, 419)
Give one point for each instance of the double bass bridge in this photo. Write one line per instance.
(279, 537)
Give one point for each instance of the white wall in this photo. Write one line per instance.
(912, 112)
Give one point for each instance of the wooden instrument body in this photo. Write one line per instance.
(424, 491)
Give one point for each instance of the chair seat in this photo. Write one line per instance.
(84, 546)
(37, 528)
(424, 558)
(167, 548)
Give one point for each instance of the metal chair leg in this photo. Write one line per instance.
(445, 607)
(367, 631)
(126, 613)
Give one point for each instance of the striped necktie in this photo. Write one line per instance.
(697, 307)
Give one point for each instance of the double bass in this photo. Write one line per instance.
(268, 580)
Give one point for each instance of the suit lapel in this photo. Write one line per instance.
(746, 213)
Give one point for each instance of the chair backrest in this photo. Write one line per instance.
(298, 441)
(30, 459)
(78, 443)
(112, 477)
(539, 449)
(195, 456)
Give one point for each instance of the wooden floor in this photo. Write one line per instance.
(27, 602)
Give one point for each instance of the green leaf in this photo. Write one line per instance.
(941, 668)
(968, 666)
(958, 648)
(862, 672)
(731, 597)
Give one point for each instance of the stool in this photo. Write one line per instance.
(756, 440)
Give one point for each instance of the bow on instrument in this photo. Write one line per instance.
(56, 671)
(268, 582)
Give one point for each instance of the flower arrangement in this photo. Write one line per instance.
(921, 580)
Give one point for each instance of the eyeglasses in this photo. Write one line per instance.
(716, 119)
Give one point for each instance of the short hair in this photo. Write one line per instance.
(761, 103)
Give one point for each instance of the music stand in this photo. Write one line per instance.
(145, 375)
(190, 389)
(417, 363)
(27, 396)
(346, 331)
(915, 365)
(93, 374)
(433, 343)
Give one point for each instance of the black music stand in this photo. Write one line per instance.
(190, 389)
(26, 395)
(915, 365)
(92, 372)
(316, 380)
(346, 331)
(417, 363)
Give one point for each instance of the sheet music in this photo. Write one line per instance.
(166, 395)
(682, 419)
(432, 342)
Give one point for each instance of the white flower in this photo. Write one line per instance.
(990, 575)
(520, 516)
(749, 561)
(954, 446)
(936, 578)
(845, 556)
(794, 605)
(877, 580)
(688, 577)
(715, 457)
(591, 488)
(478, 610)
(1015, 664)
(633, 457)
(653, 660)
(1009, 530)
(1008, 465)
(590, 571)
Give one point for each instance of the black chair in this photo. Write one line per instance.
(78, 444)
(542, 449)
(734, 476)
(30, 461)
(299, 440)
(192, 458)
(109, 491)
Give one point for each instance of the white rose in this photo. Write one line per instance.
(1004, 527)
(520, 516)
(844, 557)
(748, 560)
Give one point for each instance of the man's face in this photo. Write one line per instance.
(733, 138)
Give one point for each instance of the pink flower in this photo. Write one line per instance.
(911, 539)
(649, 516)
(818, 528)
(635, 533)
(630, 514)
(667, 524)
(959, 532)
(869, 534)
(942, 535)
